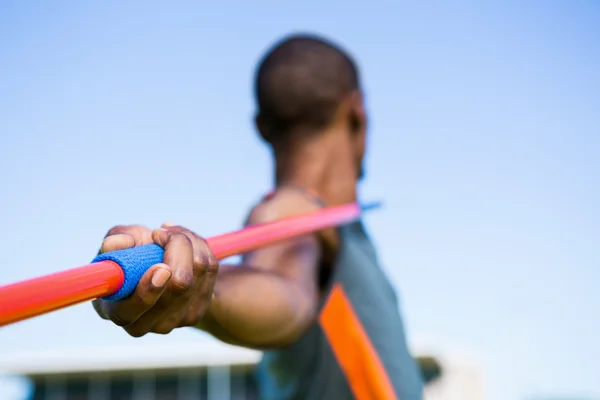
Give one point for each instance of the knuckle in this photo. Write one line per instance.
(115, 230)
(163, 331)
(204, 258)
(181, 238)
(135, 331)
(182, 283)
(190, 319)
(200, 260)
(213, 263)
(212, 267)
(163, 328)
(199, 257)
(98, 306)
(181, 241)
(118, 320)
(139, 233)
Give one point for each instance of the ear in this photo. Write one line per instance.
(357, 114)
(358, 129)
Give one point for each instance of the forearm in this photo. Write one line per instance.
(258, 309)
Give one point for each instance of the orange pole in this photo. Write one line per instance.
(33, 297)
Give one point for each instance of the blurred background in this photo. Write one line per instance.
(484, 146)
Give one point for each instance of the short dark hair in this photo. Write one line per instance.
(300, 83)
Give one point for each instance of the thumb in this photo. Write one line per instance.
(145, 295)
(159, 275)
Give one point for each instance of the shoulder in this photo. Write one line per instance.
(288, 202)
(282, 203)
(295, 258)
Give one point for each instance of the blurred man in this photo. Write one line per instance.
(319, 305)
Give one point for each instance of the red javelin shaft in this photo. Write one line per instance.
(33, 297)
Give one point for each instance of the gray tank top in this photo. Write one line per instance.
(357, 350)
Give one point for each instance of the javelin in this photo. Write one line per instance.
(115, 275)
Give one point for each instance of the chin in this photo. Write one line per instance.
(361, 173)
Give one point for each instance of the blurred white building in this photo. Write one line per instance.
(207, 370)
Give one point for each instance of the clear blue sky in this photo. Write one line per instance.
(485, 148)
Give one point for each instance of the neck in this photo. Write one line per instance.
(324, 165)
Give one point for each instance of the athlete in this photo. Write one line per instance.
(319, 305)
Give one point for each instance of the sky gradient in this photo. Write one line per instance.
(484, 147)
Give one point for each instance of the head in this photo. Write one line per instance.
(307, 89)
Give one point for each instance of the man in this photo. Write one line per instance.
(319, 305)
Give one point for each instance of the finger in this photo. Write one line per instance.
(98, 305)
(165, 327)
(205, 268)
(204, 259)
(126, 236)
(161, 321)
(201, 301)
(140, 328)
(197, 247)
(119, 241)
(162, 315)
(210, 263)
(179, 255)
(207, 275)
(148, 291)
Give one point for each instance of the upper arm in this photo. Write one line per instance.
(296, 259)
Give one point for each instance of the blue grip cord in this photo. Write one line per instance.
(134, 262)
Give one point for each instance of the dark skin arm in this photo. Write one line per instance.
(268, 301)
(272, 298)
